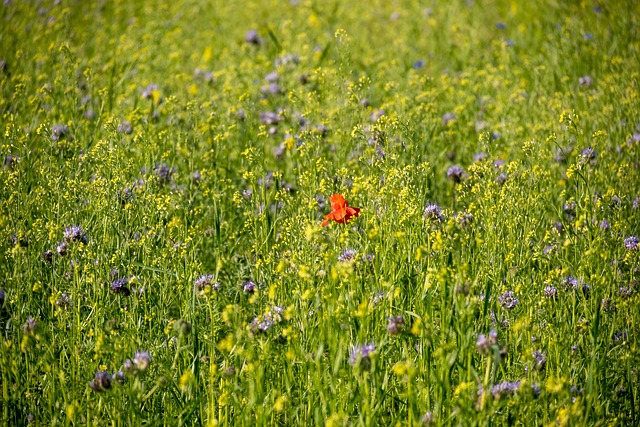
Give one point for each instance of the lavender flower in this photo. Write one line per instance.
(163, 172)
(348, 255)
(119, 286)
(483, 344)
(447, 118)
(604, 225)
(74, 234)
(585, 81)
(433, 212)
(570, 281)
(249, 287)
(125, 127)
(205, 283)
(59, 132)
(623, 291)
(253, 38)
(505, 389)
(455, 174)
(62, 249)
(30, 327)
(540, 360)
(64, 301)
(361, 355)
(631, 243)
(47, 256)
(141, 361)
(147, 92)
(508, 300)
(1, 297)
(588, 155)
(101, 382)
(396, 325)
(551, 292)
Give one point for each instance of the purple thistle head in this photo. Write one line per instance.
(631, 243)
(585, 81)
(570, 282)
(508, 300)
(64, 301)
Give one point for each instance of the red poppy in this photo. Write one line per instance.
(341, 212)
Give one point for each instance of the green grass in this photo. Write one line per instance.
(225, 169)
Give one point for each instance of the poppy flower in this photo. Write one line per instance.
(341, 212)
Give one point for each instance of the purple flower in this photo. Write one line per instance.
(125, 127)
(447, 117)
(361, 355)
(141, 361)
(74, 234)
(62, 249)
(505, 389)
(551, 292)
(249, 287)
(119, 286)
(59, 131)
(101, 382)
(30, 327)
(623, 291)
(64, 301)
(605, 224)
(433, 212)
(347, 255)
(396, 325)
(269, 118)
(483, 344)
(631, 243)
(570, 281)
(636, 203)
(508, 300)
(588, 154)
(501, 26)
(205, 283)
(163, 172)
(253, 38)
(10, 161)
(418, 64)
(147, 92)
(585, 81)
(455, 173)
(540, 360)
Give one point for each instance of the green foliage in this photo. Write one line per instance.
(166, 172)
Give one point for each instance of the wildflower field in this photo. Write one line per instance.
(325, 213)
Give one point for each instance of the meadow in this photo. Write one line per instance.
(173, 250)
